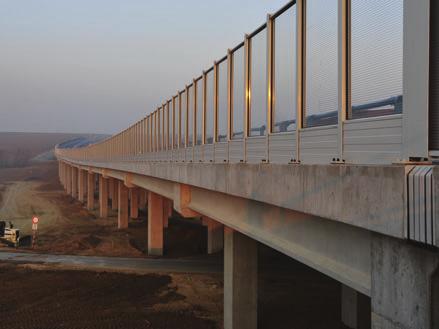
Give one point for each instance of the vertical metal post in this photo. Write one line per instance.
(186, 123)
(247, 77)
(230, 64)
(270, 73)
(215, 102)
(180, 111)
(195, 110)
(300, 78)
(343, 61)
(204, 109)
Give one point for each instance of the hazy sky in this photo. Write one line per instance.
(100, 65)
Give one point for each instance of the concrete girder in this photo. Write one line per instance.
(316, 242)
(377, 193)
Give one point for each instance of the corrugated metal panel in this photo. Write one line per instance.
(182, 155)
(319, 145)
(373, 140)
(168, 155)
(198, 153)
(434, 78)
(221, 152)
(174, 155)
(282, 147)
(256, 149)
(421, 205)
(208, 152)
(236, 151)
(189, 154)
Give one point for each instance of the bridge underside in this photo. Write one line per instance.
(348, 222)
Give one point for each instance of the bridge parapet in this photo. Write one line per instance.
(300, 90)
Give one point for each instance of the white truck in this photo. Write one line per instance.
(9, 235)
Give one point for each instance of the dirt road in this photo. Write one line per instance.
(22, 201)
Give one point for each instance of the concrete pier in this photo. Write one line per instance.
(81, 185)
(155, 224)
(122, 214)
(143, 196)
(167, 212)
(111, 189)
(103, 197)
(134, 202)
(115, 198)
(240, 281)
(405, 281)
(355, 308)
(90, 191)
(68, 179)
(74, 179)
(215, 235)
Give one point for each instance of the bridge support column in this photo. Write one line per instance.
(155, 224)
(355, 308)
(122, 214)
(90, 191)
(68, 179)
(74, 182)
(134, 203)
(143, 195)
(167, 212)
(215, 235)
(103, 197)
(115, 199)
(405, 285)
(61, 172)
(240, 281)
(111, 189)
(81, 185)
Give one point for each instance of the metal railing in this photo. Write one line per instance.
(167, 128)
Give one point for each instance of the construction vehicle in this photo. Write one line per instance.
(9, 236)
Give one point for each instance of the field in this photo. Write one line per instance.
(36, 296)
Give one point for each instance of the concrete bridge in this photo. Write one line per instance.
(317, 136)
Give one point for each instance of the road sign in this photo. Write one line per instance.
(35, 220)
(34, 227)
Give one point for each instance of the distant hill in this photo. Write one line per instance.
(20, 149)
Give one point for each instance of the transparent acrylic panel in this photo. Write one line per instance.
(157, 125)
(321, 63)
(258, 94)
(190, 118)
(222, 102)
(176, 121)
(159, 129)
(210, 107)
(171, 123)
(199, 111)
(154, 131)
(238, 94)
(183, 114)
(166, 127)
(376, 57)
(284, 99)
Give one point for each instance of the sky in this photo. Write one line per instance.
(97, 66)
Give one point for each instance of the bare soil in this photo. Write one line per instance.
(33, 299)
(66, 227)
